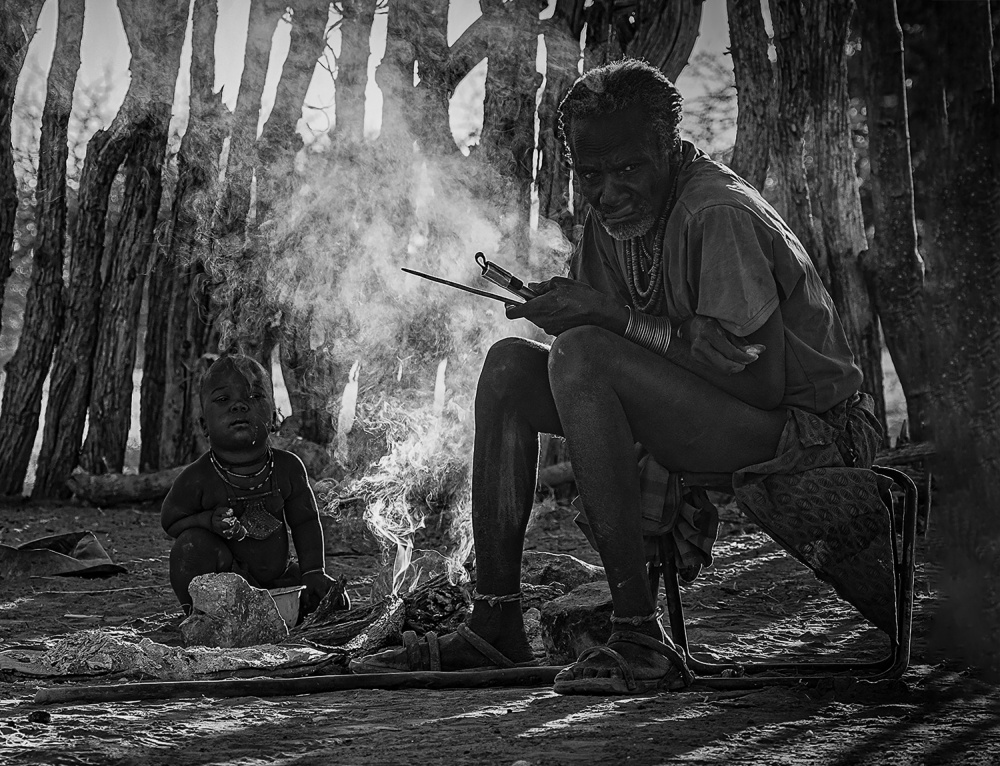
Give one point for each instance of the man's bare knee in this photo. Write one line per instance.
(512, 369)
(580, 355)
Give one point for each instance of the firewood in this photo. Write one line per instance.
(117, 488)
(436, 605)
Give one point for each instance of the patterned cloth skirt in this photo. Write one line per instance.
(820, 500)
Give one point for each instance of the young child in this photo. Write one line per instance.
(231, 509)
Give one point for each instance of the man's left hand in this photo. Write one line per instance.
(566, 303)
(717, 348)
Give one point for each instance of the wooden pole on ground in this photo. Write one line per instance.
(282, 687)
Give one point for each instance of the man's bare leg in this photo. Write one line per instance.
(610, 393)
(513, 405)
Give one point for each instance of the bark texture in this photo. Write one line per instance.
(179, 291)
(311, 376)
(17, 28)
(155, 39)
(755, 88)
(897, 264)
(508, 139)
(823, 207)
(276, 187)
(43, 312)
(352, 68)
(666, 34)
(962, 224)
(837, 202)
(433, 129)
(73, 364)
(562, 57)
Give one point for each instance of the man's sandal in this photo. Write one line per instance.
(625, 682)
(425, 654)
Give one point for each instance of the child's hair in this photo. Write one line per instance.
(249, 368)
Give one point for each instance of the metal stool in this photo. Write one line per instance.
(743, 675)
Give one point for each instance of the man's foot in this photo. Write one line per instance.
(630, 662)
(462, 650)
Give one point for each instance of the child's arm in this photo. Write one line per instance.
(302, 514)
(181, 509)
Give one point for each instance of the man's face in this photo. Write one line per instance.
(236, 411)
(621, 170)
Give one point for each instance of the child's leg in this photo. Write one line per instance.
(196, 552)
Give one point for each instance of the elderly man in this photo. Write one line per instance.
(692, 323)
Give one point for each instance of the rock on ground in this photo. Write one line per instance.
(229, 612)
(577, 621)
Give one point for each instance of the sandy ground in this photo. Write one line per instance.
(754, 602)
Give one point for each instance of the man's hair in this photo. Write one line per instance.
(251, 370)
(616, 87)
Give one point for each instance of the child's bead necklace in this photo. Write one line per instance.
(268, 467)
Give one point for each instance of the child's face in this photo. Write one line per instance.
(237, 412)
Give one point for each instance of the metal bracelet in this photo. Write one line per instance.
(321, 570)
(652, 333)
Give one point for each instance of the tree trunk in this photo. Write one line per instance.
(279, 141)
(508, 139)
(755, 86)
(834, 191)
(152, 388)
(352, 68)
(433, 129)
(246, 323)
(666, 34)
(897, 265)
(311, 377)
(394, 76)
(186, 294)
(790, 126)
(43, 312)
(276, 182)
(234, 206)
(155, 39)
(17, 27)
(73, 365)
(562, 57)
(812, 108)
(963, 218)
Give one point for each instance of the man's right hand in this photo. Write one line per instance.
(713, 346)
(562, 304)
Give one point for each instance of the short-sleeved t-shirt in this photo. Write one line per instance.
(728, 255)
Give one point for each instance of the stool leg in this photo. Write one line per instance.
(675, 608)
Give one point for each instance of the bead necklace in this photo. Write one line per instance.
(645, 269)
(253, 475)
(269, 466)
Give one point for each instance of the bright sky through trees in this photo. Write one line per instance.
(105, 58)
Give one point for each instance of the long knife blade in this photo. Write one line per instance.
(472, 290)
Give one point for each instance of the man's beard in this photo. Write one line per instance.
(630, 229)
